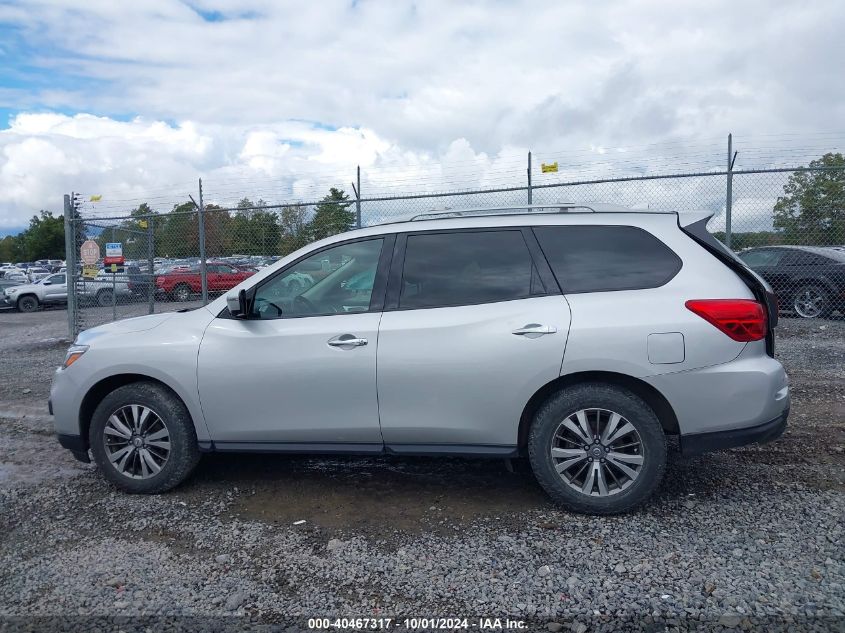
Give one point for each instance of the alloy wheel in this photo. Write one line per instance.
(597, 452)
(137, 441)
(809, 303)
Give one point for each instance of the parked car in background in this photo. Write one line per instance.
(104, 289)
(4, 284)
(29, 297)
(16, 274)
(180, 283)
(808, 280)
(579, 339)
(36, 272)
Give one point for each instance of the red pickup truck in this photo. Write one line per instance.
(180, 284)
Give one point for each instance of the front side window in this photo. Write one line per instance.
(465, 268)
(57, 279)
(606, 258)
(333, 281)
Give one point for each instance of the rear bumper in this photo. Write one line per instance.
(698, 443)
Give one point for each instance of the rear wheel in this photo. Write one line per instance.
(811, 301)
(143, 439)
(597, 449)
(29, 303)
(182, 292)
(105, 298)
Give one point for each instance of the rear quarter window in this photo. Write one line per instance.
(606, 258)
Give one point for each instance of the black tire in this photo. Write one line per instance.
(28, 303)
(105, 298)
(821, 304)
(612, 398)
(182, 292)
(184, 450)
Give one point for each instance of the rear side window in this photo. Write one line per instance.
(603, 258)
(465, 268)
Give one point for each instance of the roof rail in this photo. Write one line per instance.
(521, 209)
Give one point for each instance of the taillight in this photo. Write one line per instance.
(743, 320)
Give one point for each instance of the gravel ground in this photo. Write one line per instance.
(747, 538)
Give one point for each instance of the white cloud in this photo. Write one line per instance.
(284, 98)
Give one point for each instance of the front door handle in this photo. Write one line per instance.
(534, 330)
(346, 341)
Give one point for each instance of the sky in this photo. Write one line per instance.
(279, 100)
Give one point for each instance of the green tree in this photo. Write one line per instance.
(812, 207)
(294, 228)
(332, 215)
(10, 249)
(44, 239)
(179, 232)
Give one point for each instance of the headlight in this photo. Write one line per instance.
(74, 353)
(11, 291)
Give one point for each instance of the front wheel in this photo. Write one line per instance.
(597, 449)
(811, 301)
(143, 439)
(29, 303)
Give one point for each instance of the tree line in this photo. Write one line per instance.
(250, 229)
(811, 211)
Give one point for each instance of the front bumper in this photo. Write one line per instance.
(76, 445)
(698, 443)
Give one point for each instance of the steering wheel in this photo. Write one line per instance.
(304, 305)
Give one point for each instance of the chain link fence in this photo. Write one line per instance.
(196, 251)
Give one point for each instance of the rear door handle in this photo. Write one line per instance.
(346, 341)
(534, 330)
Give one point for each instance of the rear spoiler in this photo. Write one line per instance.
(695, 225)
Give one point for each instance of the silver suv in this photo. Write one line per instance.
(581, 339)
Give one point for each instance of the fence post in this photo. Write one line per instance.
(729, 194)
(151, 287)
(358, 199)
(203, 275)
(530, 192)
(70, 269)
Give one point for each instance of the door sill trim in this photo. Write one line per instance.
(365, 448)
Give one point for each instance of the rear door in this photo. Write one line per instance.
(475, 324)
(56, 290)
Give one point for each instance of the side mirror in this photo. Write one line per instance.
(48, 283)
(237, 304)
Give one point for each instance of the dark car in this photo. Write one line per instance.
(810, 280)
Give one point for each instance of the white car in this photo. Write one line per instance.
(35, 274)
(105, 288)
(28, 297)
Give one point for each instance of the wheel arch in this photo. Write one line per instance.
(101, 389)
(651, 396)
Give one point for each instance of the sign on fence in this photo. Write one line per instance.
(546, 168)
(89, 252)
(114, 253)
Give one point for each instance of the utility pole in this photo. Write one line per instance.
(530, 192)
(357, 191)
(70, 269)
(729, 195)
(151, 286)
(203, 275)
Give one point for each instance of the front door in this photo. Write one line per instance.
(478, 327)
(300, 372)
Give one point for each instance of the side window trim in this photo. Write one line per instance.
(540, 262)
(397, 266)
(375, 299)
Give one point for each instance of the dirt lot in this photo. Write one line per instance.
(752, 535)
